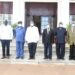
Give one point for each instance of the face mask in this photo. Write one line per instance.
(61, 25)
(73, 25)
(19, 25)
(48, 28)
(32, 24)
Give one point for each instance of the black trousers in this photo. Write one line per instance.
(32, 49)
(72, 52)
(48, 50)
(60, 50)
(5, 48)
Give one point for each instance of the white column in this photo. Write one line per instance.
(63, 12)
(18, 11)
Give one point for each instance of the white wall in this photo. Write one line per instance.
(18, 11)
(40, 0)
(63, 12)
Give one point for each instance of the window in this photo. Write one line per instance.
(6, 12)
(44, 22)
(72, 19)
(4, 17)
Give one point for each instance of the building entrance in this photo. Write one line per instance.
(42, 21)
(41, 14)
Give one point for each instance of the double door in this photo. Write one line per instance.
(42, 21)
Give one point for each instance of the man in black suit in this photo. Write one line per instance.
(47, 39)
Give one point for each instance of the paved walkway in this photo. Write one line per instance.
(39, 66)
(36, 69)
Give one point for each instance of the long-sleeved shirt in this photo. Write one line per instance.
(32, 34)
(20, 34)
(6, 32)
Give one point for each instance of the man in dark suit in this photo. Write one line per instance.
(60, 36)
(47, 39)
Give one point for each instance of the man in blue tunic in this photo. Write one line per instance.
(20, 39)
(60, 36)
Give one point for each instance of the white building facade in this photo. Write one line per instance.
(42, 11)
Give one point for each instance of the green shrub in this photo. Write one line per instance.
(14, 25)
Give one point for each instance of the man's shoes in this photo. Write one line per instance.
(62, 58)
(50, 58)
(17, 57)
(22, 57)
(31, 58)
(45, 58)
(3, 57)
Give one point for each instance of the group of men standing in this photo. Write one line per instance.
(58, 36)
(30, 35)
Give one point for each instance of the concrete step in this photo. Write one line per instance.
(38, 59)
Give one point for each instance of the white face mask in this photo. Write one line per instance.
(60, 25)
(73, 27)
(19, 25)
(48, 28)
(31, 24)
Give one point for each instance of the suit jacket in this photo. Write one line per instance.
(47, 37)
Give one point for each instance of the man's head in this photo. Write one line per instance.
(20, 23)
(48, 27)
(73, 25)
(5, 22)
(60, 24)
(31, 23)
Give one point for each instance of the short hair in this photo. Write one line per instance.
(19, 22)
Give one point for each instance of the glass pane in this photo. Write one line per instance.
(72, 19)
(44, 22)
(1, 17)
(4, 17)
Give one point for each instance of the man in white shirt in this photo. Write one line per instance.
(32, 38)
(6, 35)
